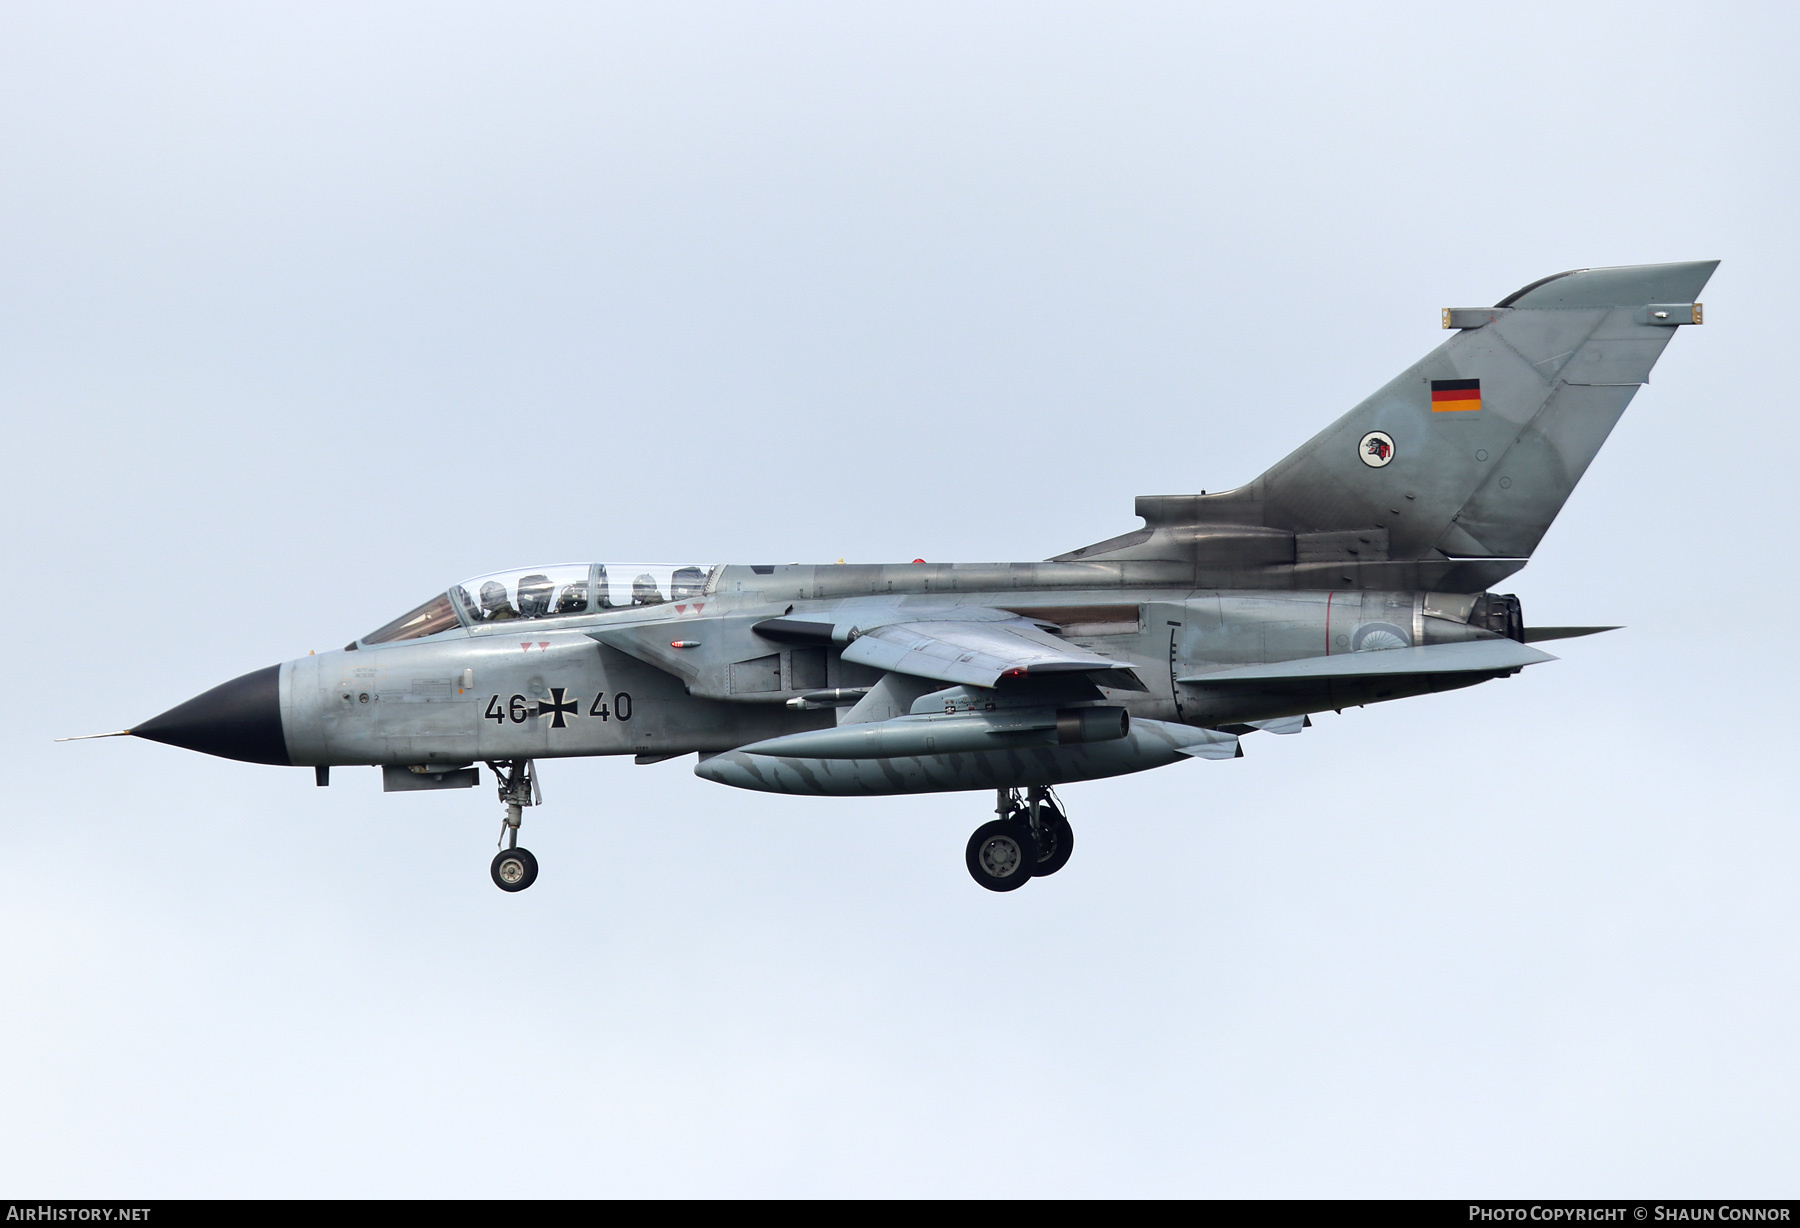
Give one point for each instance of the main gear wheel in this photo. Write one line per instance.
(1000, 855)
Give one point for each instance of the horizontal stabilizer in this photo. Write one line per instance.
(1534, 634)
(1474, 657)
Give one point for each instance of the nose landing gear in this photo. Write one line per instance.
(1030, 839)
(514, 868)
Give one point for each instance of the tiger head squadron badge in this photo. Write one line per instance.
(1376, 449)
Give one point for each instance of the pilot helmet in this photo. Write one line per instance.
(493, 596)
(644, 590)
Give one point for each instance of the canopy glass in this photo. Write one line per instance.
(563, 590)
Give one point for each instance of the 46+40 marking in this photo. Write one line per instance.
(560, 705)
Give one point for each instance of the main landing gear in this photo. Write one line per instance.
(1031, 839)
(514, 868)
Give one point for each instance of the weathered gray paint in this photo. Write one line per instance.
(1324, 583)
(1557, 368)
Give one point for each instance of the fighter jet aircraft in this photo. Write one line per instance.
(1356, 570)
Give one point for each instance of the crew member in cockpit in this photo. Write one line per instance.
(494, 605)
(534, 596)
(573, 599)
(687, 583)
(645, 592)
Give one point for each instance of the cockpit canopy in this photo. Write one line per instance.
(562, 590)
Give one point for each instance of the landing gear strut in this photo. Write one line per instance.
(515, 869)
(1030, 839)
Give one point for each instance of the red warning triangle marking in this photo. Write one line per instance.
(681, 609)
(698, 606)
(526, 646)
(544, 644)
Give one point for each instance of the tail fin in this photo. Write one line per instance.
(1471, 452)
(1474, 450)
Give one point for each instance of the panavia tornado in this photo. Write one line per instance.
(1356, 570)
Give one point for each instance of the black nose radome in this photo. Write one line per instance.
(240, 719)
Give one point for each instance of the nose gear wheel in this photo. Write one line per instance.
(514, 869)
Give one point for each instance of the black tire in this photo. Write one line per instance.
(1000, 854)
(1056, 841)
(514, 869)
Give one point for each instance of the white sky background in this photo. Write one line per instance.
(306, 313)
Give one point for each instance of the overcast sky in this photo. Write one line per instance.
(308, 311)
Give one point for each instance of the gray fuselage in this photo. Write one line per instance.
(545, 688)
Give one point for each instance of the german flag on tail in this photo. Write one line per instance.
(1455, 395)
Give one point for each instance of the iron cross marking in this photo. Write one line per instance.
(556, 707)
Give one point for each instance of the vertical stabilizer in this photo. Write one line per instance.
(1468, 454)
(1473, 451)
